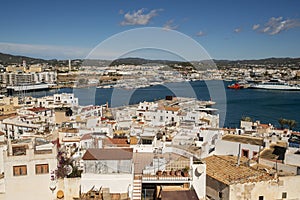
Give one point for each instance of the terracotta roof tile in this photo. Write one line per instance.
(179, 195)
(226, 170)
(245, 139)
(86, 137)
(119, 142)
(108, 154)
(38, 109)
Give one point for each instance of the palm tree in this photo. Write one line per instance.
(282, 122)
(291, 123)
(247, 119)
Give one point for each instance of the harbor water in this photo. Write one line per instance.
(267, 106)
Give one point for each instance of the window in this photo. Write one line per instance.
(254, 154)
(42, 169)
(261, 198)
(20, 170)
(284, 195)
(220, 195)
(245, 153)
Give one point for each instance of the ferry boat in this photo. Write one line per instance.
(29, 87)
(275, 84)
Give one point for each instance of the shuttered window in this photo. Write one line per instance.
(42, 169)
(20, 170)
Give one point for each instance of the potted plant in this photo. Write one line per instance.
(172, 172)
(178, 173)
(186, 171)
(159, 173)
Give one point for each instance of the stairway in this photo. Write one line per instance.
(137, 188)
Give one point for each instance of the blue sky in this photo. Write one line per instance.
(225, 29)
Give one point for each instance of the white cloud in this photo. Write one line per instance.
(277, 25)
(139, 17)
(237, 30)
(255, 26)
(200, 33)
(169, 25)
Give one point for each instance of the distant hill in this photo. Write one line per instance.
(274, 62)
(142, 61)
(12, 59)
(6, 59)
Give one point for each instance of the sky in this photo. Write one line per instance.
(226, 29)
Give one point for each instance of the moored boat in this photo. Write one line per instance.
(235, 86)
(275, 84)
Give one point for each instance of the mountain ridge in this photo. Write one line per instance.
(6, 59)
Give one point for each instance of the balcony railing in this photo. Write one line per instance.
(153, 178)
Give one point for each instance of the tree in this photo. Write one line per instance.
(291, 123)
(247, 119)
(282, 122)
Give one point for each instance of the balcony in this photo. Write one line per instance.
(166, 178)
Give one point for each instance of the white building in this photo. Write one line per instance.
(239, 145)
(108, 168)
(27, 171)
(66, 99)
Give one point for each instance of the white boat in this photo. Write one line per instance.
(40, 86)
(275, 84)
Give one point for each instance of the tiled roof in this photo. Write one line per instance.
(226, 170)
(263, 125)
(245, 139)
(2, 117)
(39, 109)
(179, 195)
(121, 141)
(169, 108)
(86, 137)
(108, 154)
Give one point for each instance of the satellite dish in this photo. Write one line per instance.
(69, 169)
(199, 170)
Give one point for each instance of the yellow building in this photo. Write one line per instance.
(15, 68)
(25, 69)
(8, 105)
(33, 69)
(7, 109)
(9, 100)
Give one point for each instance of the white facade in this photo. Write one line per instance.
(117, 183)
(32, 183)
(66, 98)
(224, 147)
